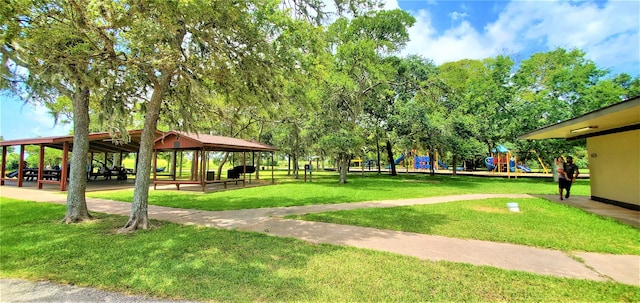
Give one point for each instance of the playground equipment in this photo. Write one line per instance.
(424, 162)
(490, 162)
(544, 168)
(504, 161)
(396, 162)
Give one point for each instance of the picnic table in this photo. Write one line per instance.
(31, 174)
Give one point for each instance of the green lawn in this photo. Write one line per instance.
(539, 223)
(326, 190)
(206, 264)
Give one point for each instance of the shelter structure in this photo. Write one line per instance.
(102, 143)
(201, 145)
(613, 144)
(98, 143)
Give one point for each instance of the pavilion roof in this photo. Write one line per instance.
(98, 142)
(185, 140)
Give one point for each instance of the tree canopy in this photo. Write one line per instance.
(282, 71)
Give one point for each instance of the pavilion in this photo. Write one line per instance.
(172, 141)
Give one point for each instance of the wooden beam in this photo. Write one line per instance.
(65, 166)
(3, 169)
(21, 167)
(40, 167)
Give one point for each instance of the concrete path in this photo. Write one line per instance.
(17, 290)
(598, 267)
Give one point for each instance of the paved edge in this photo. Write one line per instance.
(19, 290)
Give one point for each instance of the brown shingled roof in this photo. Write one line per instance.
(219, 143)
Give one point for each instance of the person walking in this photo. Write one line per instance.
(572, 173)
(559, 175)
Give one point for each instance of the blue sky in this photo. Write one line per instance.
(453, 30)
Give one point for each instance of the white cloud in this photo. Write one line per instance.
(608, 33)
(459, 42)
(391, 4)
(457, 15)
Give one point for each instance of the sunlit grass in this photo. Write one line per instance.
(325, 190)
(539, 223)
(206, 264)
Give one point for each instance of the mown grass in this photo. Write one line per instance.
(205, 264)
(325, 190)
(539, 223)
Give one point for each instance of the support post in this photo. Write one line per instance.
(65, 166)
(203, 170)
(196, 169)
(40, 167)
(3, 169)
(244, 164)
(21, 167)
(173, 168)
(272, 179)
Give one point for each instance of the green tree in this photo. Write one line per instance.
(54, 49)
(356, 73)
(555, 86)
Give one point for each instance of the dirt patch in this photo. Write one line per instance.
(489, 209)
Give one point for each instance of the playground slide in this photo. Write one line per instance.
(488, 161)
(524, 168)
(443, 165)
(396, 161)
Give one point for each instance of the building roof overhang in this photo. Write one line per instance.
(618, 117)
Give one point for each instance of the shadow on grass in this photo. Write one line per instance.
(167, 261)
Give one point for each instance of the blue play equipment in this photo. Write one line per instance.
(396, 161)
(490, 166)
(491, 163)
(524, 168)
(424, 162)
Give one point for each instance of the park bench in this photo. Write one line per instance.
(179, 182)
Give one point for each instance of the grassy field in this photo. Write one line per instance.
(491, 220)
(325, 190)
(206, 264)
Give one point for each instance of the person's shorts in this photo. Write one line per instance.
(564, 183)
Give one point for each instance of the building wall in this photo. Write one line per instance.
(614, 163)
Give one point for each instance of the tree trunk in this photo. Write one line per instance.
(453, 168)
(139, 218)
(391, 160)
(222, 163)
(378, 151)
(257, 164)
(76, 201)
(296, 166)
(344, 169)
(432, 170)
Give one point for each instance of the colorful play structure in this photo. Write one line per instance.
(420, 162)
(502, 160)
(396, 162)
(424, 162)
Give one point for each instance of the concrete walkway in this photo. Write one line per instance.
(595, 266)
